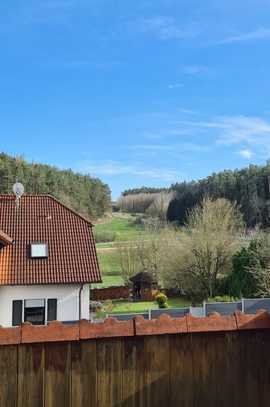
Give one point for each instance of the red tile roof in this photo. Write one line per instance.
(72, 257)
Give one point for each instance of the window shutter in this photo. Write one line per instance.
(52, 309)
(17, 307)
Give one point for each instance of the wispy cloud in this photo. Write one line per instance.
(186, 111)
(258, 34)
(194, 70)
(176, 85)
(246, 153)
(175, 148)
(239, 129)
(166, 28)
(116, 168)
(247, 131)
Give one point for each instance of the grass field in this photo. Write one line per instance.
(124, 307)
(125, 228)
(109, 281)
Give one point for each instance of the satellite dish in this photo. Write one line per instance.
(18, 189)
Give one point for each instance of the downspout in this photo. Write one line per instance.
(80, 302)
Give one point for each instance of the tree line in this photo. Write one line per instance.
(248, 187)
(211, 255)
(153, 204)
(86, 195)
(143, 190)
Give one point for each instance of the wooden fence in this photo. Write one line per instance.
(211, 366)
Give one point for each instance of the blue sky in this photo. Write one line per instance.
(137, 93)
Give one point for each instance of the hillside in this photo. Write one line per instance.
(248, 187)
(88, 196)
(121, 228)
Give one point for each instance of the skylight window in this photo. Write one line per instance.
(39, 250)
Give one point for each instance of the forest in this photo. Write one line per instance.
(86, 195)
(248, 187)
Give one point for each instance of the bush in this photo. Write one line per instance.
(162, 299)
(241, 282)
(108, 306)
(104, 236)
(95, 306)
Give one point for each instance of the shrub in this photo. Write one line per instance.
(162, 299)
(108, 306)
(95, 306)
(241, 282)
(104, 236)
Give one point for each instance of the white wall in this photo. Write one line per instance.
(67, 300)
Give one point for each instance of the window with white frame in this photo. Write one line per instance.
(36, 311)
(38, 250)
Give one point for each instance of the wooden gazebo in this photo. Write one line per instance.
(144, 286)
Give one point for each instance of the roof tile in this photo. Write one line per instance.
(72, 254)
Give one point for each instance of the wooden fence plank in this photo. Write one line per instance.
(263, 342)
(109, 372)
(204, 369)
(8, 376)
(133, 373)
(157, 370)
(254, 369)
(84, 374)
(57, 375)
(187, 370)
(181, 371)
(30, 375)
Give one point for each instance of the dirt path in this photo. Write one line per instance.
(116, 246)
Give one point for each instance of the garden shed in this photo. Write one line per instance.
(144, 286)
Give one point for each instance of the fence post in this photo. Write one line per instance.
(243, 305)
(149, 314)
(204, 308)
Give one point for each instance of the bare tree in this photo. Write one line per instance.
(160, 205)
(203, 250)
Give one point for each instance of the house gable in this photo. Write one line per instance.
(71, 258)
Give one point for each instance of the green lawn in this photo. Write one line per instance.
(124, 307)
(124, 227)
(109, 281)
(109, 263)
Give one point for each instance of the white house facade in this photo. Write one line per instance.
(47, 262)
(67, 300)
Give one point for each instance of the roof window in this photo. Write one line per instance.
(39, 250)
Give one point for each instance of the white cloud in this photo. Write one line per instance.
(258, 34)
(250, 133)
(186, 111)
(234, 129)
(238, 129)
(246, 153)
(173, 148)
(165, 28)
(195, 70)
(115, 168)
(176, 85)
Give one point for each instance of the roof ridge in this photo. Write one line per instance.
(70, 209)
